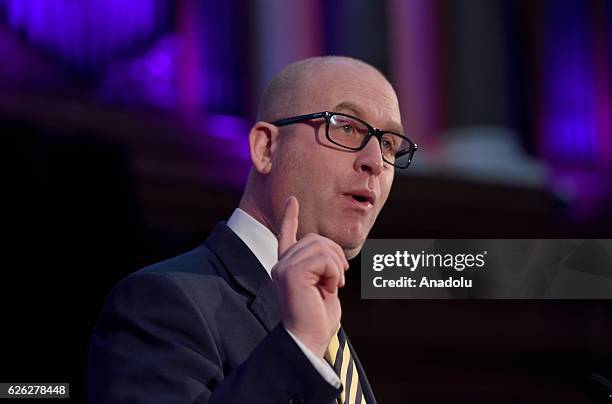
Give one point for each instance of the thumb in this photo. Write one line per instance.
(289, 225)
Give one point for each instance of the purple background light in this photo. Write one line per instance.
(575, 134)
(207, 61)
(86, 33)
(569, 131)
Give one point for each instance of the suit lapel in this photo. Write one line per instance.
(247, 271)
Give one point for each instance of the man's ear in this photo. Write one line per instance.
(262, 143)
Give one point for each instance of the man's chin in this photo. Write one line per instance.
(351, 239)
(352, 253)
(352, 247)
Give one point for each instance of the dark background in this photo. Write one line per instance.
(124, 125)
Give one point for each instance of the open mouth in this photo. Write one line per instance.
(360, 198)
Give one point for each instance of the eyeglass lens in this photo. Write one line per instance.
(350, 133)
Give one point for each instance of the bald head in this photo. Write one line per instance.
(290, 91)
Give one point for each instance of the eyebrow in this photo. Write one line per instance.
(360, 113)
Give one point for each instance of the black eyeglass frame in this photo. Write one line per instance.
(372, 131)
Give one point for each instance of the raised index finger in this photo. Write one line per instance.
(289, 225)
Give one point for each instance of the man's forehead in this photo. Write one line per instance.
(320, 83)
(354, 108)
(363, 93)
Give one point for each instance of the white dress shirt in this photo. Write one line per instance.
(264, 245)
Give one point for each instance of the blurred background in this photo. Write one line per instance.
(124, 140)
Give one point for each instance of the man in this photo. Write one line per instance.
(253, 316)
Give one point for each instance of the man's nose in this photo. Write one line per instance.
(369, 158)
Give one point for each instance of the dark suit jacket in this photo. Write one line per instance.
(203, 327)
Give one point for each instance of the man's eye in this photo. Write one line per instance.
(347, 128)
(387, 145)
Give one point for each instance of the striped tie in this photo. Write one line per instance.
(339, 356)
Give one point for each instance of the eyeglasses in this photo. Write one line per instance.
(354, 134)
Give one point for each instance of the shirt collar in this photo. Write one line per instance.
(260, 240)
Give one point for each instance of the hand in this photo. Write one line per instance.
(307, 277)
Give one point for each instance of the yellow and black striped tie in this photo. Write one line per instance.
(339, 357)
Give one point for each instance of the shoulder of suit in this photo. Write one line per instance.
(196, 272)
(199, 261)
